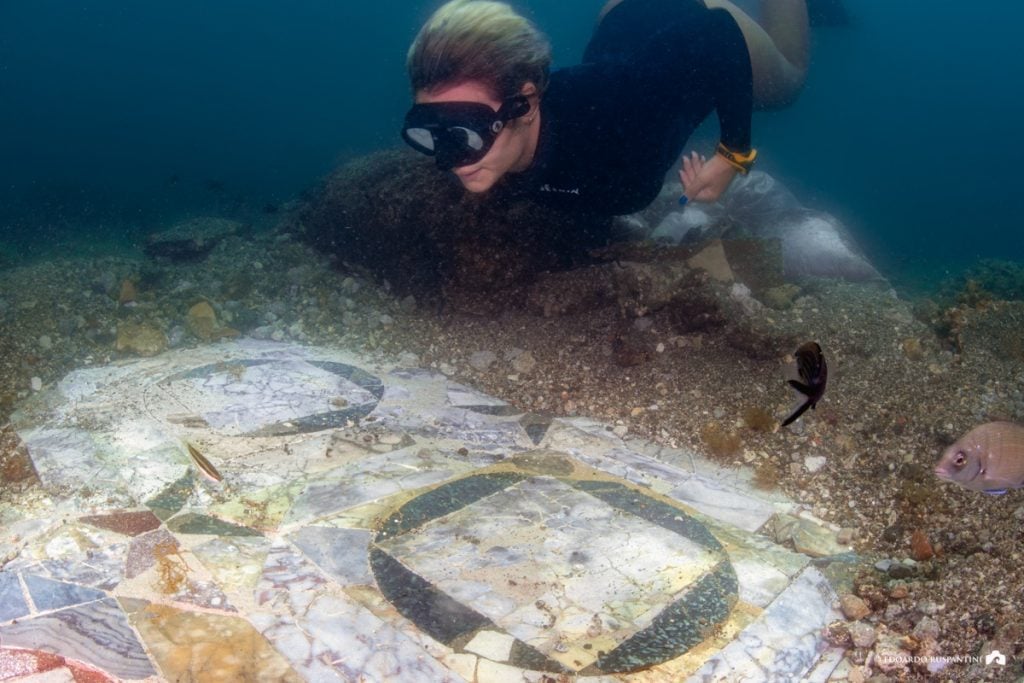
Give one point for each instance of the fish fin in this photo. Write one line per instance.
(801, 387)
(995, 492)
(797, 413)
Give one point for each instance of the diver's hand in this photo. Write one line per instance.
(704, 180)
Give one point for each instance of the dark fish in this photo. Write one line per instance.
(214, 185)
(204, 465)
(988, 458)
(269, 208)
(810, 364)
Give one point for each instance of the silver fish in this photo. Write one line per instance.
(988, 458)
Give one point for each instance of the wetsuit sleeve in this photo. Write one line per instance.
(733, 87)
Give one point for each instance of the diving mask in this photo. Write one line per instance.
(459, 133)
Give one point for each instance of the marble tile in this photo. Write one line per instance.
(39, 666)
(784, 642)
(236, 563)
(340, 553)
(194, 523)
(12, 601)
(68, 459)
(96, 633)
(263, 397)
(127, 523)
(145, 549)
(373, 478)
(192, 646)
(49, 595)
(724, 502)
(76, 554)
(326, 636)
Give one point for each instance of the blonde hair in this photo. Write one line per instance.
(479, 40)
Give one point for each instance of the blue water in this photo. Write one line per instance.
(117, 116)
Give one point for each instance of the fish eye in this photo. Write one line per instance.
(960, 460)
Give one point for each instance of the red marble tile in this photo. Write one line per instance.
(127, 523)
(15, 663)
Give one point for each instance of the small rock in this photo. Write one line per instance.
(854, 608)
(37, 384)
(482, 360)
(813, 463)
(920, 547)
(899, 591)
(863, 635)
(927, 628)
(620, 430)
(846, 535)
(883, 565)
(524, 363)
(202, 320)
(838, 634)
(902, 570)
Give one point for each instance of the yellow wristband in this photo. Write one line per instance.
(740, 161)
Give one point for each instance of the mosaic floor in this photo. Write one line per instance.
(261, 512)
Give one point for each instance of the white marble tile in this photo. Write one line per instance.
(491, 644)
(326, 636)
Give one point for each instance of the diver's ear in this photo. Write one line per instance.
(532, 95)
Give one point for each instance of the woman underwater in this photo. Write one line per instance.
(599, 137)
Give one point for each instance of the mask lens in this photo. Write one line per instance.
(421, 139)
(467, 137)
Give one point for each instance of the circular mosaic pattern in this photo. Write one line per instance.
(272, 397)
(449, 561)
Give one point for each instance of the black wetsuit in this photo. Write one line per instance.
(613, 126)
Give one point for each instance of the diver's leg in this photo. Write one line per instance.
(778, 47)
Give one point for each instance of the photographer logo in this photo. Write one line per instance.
(995, 656)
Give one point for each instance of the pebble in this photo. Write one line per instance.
(45, 343)
(620, 430)
(482, 360)
(853, 607)
(524, 363)
(846, 535)
(813, 463)
(37, 384)
(863, 635)
(883, 565)
(927, 628)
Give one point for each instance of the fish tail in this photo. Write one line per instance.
(801, 387)
(797, 413)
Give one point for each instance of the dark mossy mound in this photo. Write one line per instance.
(395, 215)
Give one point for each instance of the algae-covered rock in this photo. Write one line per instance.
(141, 338)
(396, 216)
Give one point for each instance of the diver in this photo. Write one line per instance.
(599, 137)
